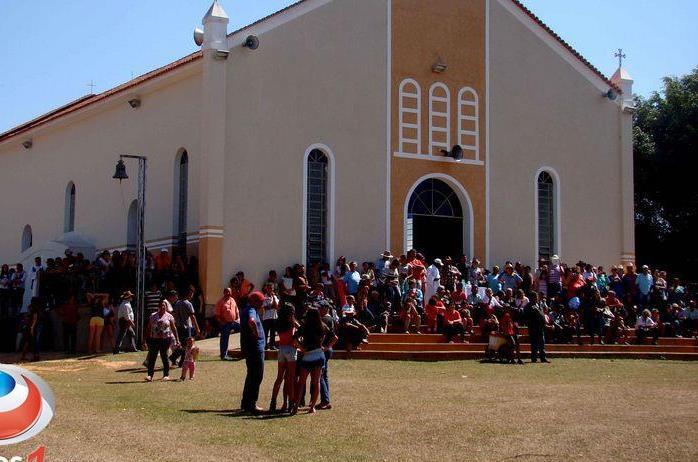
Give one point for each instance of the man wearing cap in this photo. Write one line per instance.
(125, 320)
(383, 264)
(433, 278)
(252, 344)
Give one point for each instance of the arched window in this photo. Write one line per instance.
(546, 216)
(469, 122)
(182, 201)
(69, 221)
(132, 226)
(410, 117)
(439, 118)
(27, 238)
(317, 166)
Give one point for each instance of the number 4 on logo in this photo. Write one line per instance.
(37, 456)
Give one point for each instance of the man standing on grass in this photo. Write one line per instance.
(535, 312)
(228, 319)
(252, 344)
(126, 324)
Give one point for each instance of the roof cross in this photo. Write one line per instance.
(92, 86)
(620, 55)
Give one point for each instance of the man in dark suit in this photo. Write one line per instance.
(535, 314)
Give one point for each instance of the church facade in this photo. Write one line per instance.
(355, 126)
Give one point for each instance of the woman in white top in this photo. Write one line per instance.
(269, 314)
(288, 292)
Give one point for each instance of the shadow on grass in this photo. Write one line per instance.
(239, 413)
(125, 382)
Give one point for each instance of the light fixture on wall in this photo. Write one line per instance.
(251, 42)
(221, 55)
(610, 94)
(27, 144)
(439, 67)
(198, 36)
(456, 153)
(135, 102)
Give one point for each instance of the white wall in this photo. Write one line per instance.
(85, 151)
(318, 79)
(545, 113)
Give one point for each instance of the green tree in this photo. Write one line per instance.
(666, 184)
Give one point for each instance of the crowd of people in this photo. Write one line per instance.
(312, 311)
(305, 313)
(60, 286)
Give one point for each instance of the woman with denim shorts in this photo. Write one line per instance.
(287, 354)
(310, 336)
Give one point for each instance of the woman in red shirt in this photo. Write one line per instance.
(453, 323)
(510, 331)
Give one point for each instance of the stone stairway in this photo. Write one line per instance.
(434, 347)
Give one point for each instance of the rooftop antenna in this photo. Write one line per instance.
(92, 86)
(621, 56)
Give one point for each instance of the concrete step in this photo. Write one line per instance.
(437, 338)
(446, 355)
(525, 346)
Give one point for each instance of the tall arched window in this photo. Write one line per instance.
(317, 216)
(410, 124)
(27, 238)
(69, 221)
(439, 118)
(182, 200)
(132, 226)
(546, 216)
(469, 122)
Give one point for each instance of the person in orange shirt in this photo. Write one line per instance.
(410, 316)
(510, 331)
(228, 317)
(453, 323)
(163, 260)
(241, 288)
(416, 268)
(432, 311)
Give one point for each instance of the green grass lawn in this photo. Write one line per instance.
(569, 410)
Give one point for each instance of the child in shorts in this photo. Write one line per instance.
(191, 354)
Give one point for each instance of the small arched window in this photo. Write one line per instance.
(317, 207)
(546, 216)
(469, 122)
(27, 238)
(439, 118)
(410, 124)
(69, 221)
(182, 202)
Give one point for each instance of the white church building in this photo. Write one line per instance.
(341, 127)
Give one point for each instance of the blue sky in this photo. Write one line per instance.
(51, 49)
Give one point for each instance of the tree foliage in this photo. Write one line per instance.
(666, 180)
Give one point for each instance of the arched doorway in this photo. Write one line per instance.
(436, 224)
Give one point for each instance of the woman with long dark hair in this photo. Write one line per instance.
(310, 336)
(286, 325)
